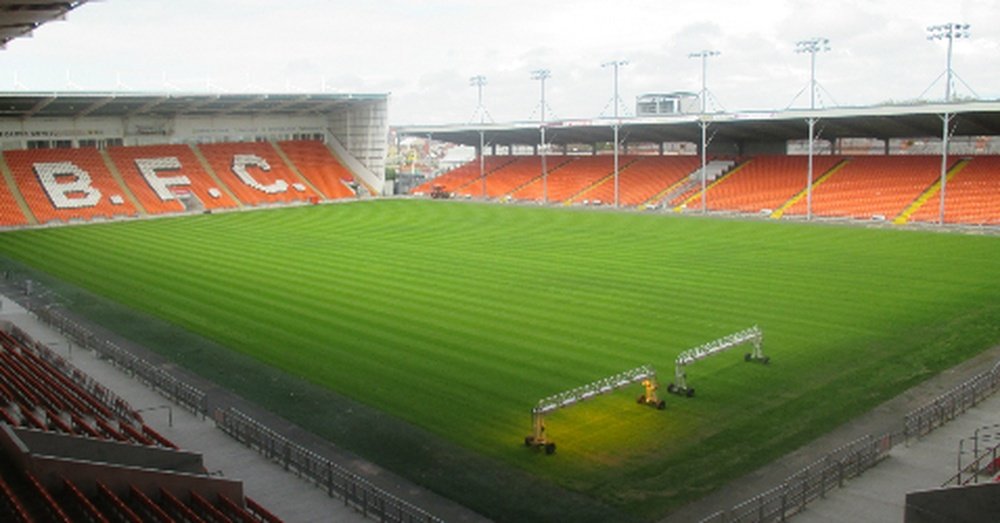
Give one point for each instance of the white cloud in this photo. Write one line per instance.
(424, 51)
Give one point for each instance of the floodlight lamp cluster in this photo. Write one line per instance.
(477, 81)
(812, 45)
(541, 74)
(615, 63)
(705, 53)
(948, 31)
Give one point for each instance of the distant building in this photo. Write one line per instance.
(660, 104)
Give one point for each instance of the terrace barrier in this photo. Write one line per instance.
(808, 484)
(950, 404)
(356, 491)
(160, 380)
(830, 472)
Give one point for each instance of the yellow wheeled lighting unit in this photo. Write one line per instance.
(644, 375)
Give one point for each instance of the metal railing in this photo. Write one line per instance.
(984, 466)
(950, 404)
(808, 484)
(984, 463)
(814, 481)
(170, 386)
(355, 490)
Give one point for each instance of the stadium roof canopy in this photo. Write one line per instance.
(883, 122)
(91, 104)
(18, 18)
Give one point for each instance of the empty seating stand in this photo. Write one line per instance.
(65, 185)
(643, 179)
(464, 176)
(514, 175)
(26, 498)
(255, 173)
(77, 184)
(68, 184)
(764, 183)
(168, 178)
(868, 187)
(36, 394)
(572, 177)
(318, 165)
(972, 196)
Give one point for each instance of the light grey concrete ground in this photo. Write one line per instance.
(879, 494)
(287, 496)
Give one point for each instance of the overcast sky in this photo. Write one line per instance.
(423, 52)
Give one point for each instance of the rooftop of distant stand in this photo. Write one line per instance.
(118, 104)
(970, 118)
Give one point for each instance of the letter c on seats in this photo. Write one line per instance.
(240, 164)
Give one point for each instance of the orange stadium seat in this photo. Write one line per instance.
(320, 167)
(159, 175)
(765, 182)
(10, 212)
(512, 176)
(464, 175)
(145, 505)
(67, 184)
(52, 508)
(255, 173)
(644, 178)
(17, 509)
(873, 186)
(574, 176)
(972, 196)
(106, 496)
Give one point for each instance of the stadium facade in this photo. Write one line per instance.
(353, 126)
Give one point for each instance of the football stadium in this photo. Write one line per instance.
(685, 314)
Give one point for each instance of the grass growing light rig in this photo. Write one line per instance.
(645, 375)
(752, 335)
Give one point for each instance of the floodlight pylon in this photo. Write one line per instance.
(950, 31)
(541, 75)
(813, 46)
(478, 82)
(615, 65)
(704, 54)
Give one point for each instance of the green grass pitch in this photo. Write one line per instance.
(456, 318)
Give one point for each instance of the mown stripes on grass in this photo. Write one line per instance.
(458, 317)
